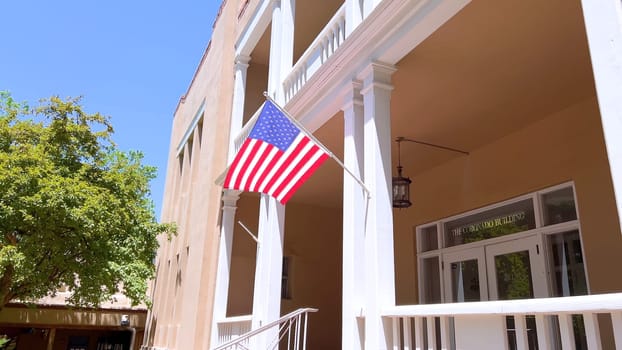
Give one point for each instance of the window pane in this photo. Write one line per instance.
(512, 218)
(465, 281)
(428, 239)
(514, 276)
(431, 281)
(566, 264)
(559, 206)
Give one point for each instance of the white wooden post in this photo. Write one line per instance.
(603, 23)
(431, 328)
(408, 342)
(566, 331)
(445, 333)
(544, 331)
(592, 331)
(418, 333)
(353, 220)
(380, 281)
(276, 39)
(267, 291)
(239, 96)
(223, 273)
(520, 329)
(616, 320)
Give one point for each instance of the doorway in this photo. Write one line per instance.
(497, 271)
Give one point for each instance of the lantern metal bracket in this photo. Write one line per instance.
(401, 184)
(401, 138)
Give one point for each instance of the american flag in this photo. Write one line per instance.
(276, 158)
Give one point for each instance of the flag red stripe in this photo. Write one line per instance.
(290, 158)
(290, 177)
(247, 163)
(235, 164)
(264, 176)
(261, 157)
(304, 178)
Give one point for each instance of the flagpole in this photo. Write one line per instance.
(310, 135)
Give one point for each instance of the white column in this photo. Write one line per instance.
(239, 95)
(379, 268)
(603, 23)
(369, 6)
(274, 68)
(267, 293)
(288, 16)
(223, 273)
(354, 15)
(268, 269)
(354, 199)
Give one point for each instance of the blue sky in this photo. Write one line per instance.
(131, 60)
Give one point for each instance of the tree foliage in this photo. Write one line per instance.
(74, 210)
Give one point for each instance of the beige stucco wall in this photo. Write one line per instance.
(567, 145)
(184, 288)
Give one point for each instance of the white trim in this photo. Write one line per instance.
(190, 130)
(598, 303)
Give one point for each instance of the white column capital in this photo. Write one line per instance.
(242, 61)
(230, 199)
(377, 74)
(352, 95)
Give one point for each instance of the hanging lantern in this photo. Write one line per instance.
(401, 185)
(401, 190)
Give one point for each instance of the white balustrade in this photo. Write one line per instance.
(235, 332)
(320, 50)
(551, 322)
(232, 328)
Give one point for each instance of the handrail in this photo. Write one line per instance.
(573, 304)
(261, 329)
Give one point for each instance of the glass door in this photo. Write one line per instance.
(465, 275)
(515, 269)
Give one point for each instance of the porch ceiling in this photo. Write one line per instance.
(491, 70)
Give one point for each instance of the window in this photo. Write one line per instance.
(546, 220)
(285, 278)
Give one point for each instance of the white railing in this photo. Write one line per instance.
(232, 328)
(549, 323)
(324, 45)
(292, 332)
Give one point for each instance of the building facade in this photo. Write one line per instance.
(53, 325)
(509, 116)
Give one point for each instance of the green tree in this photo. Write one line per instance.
(74, 210)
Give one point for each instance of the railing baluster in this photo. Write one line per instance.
(408, 342)
(418, 333)
(431, 324)
(616, 320)
(304, 342)
(396, 333)
(592, 331)
(566, 331)
(445, 333)
(543, 330)
(520, 329)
